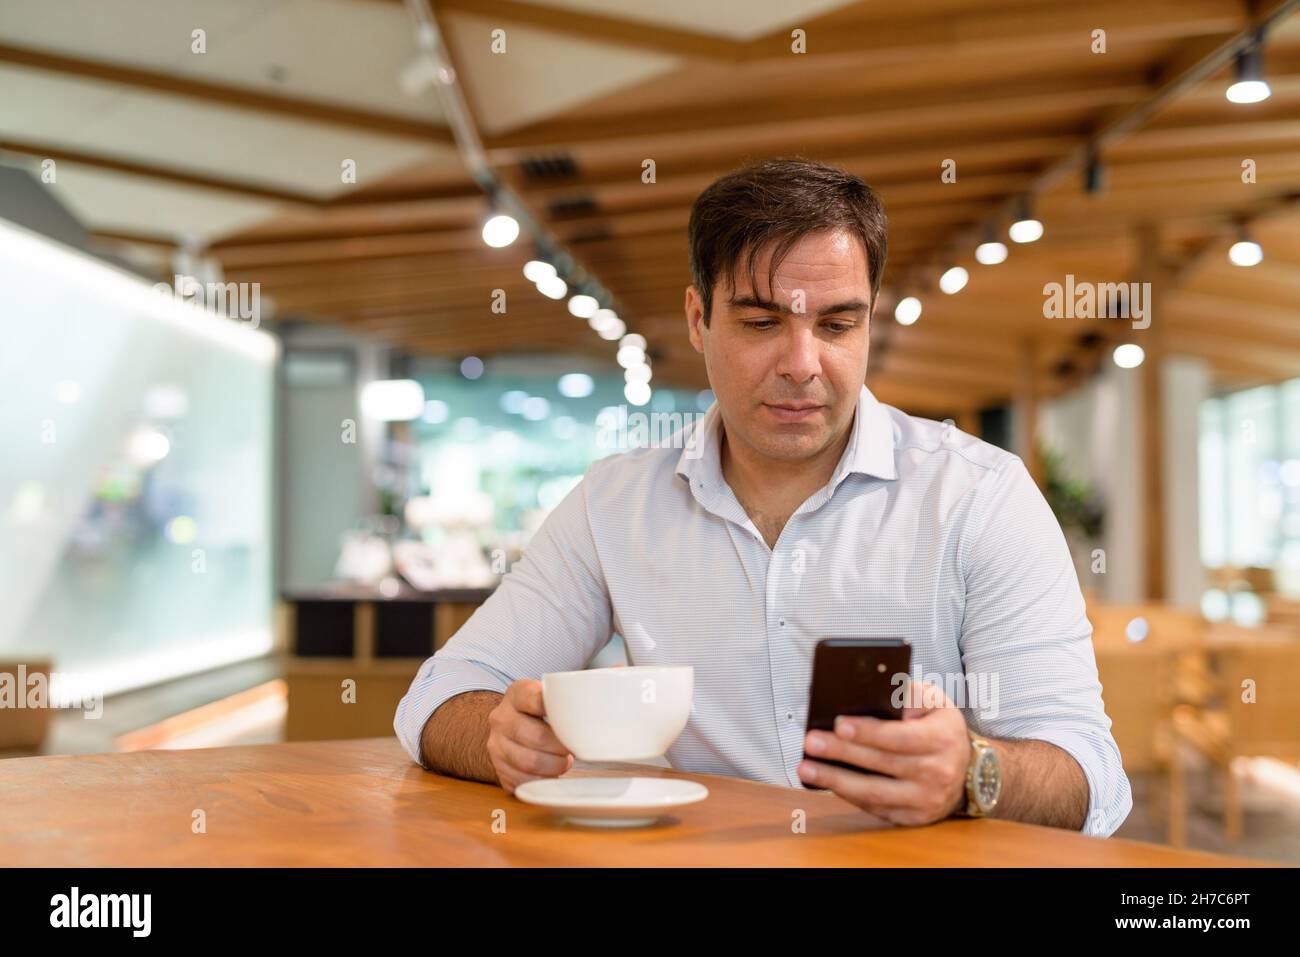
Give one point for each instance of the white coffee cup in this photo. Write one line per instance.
(618, 714)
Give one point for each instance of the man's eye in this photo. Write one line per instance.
(761, 324)
(839, 327)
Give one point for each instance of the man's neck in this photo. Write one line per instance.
(771, 490)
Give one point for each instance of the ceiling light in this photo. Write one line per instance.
(535, 270)
(583, 306)
(613, 330)
(501, 230)
(553, 287)
(907, 311)
(629, 356)
(1026, 228)
(1128, 355)
(952, 282)
(1250, 86)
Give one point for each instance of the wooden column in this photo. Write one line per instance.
(1027, 398)
(1151, 430)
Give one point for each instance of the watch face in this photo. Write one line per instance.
(988, 780)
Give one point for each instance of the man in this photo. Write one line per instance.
(807, 509)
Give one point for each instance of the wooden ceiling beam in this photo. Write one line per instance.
(156, 172)
(797, 116)
(985, 30)
(1284, 363)
(895, 160)
(1004, 30)
(1192, 62)
(603, 28)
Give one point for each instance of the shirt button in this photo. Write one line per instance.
(782, 622)
(789, 716)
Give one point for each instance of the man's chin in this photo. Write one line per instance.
(792, 445)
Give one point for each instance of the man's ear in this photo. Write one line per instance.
(694, 307)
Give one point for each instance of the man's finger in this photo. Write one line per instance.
(526, 696)
(511, 778)
(919, 736)
(832, 747)
(536, 734)
(868, 791)
(922, 697)
(529, 762)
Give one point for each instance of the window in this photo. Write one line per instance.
(1250, 482)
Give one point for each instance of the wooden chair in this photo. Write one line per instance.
(1259, 580)
(1166, 626)
(23, 730)
(1255, 713)
(1138, 690)
(1284, 612)
(1251, 578)
(1143, 681)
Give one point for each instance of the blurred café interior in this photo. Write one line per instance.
(421, 261)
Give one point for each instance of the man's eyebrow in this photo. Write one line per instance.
(755, 302)
(848, 306)
(855, 306)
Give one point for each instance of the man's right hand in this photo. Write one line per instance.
(521, 745)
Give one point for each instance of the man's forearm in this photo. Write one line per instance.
(1041, 784)
(454, 740)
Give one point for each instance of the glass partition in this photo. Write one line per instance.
(135, 484)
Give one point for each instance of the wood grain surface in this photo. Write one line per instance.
(364, 803)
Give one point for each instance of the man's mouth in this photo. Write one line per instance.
(793, 411)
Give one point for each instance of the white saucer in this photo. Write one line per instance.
(611, 801)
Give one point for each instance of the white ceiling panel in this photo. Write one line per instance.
(541, 73)
(148, 34)
(347, 52)
(265, 149)
(340, 51)
(45, 106)
(108, 201)
(255, 147)
(734, 19)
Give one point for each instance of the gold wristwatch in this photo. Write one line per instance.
(983, 778)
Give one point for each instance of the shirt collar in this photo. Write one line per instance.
(870, 450)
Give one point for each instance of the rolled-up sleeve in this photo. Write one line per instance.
(1027, 638)
(551, 612)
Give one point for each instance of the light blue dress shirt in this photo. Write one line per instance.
(923, 533)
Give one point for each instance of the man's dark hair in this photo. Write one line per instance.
(779, 201)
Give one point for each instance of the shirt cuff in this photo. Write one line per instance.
(439, 680)
(1110, 799)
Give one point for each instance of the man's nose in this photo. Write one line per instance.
(800, 358)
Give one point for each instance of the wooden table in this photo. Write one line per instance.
(363, 802)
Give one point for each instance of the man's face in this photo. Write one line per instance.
(786, 364)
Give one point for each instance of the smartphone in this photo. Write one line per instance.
(856, 677)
